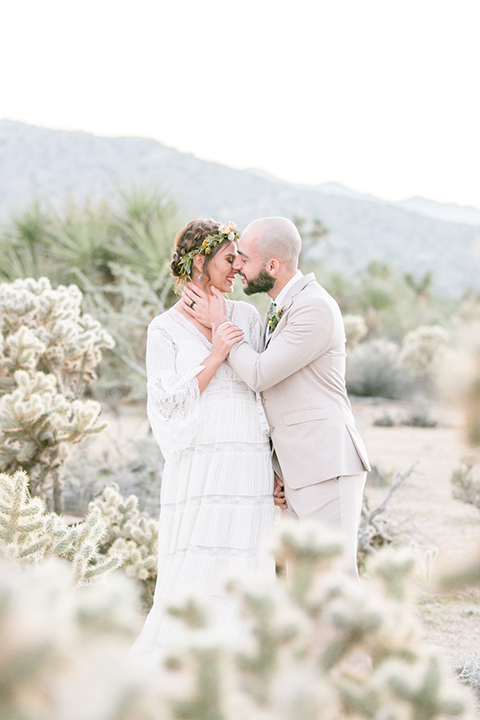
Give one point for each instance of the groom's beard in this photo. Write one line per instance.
(261, 283)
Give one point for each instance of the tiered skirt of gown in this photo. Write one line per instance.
(217, 507)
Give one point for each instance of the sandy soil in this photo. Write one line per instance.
(445, 532)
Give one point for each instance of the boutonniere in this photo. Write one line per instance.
(274, 316)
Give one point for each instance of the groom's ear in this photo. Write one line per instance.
(273, 266)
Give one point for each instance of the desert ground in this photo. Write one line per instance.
(443, 531)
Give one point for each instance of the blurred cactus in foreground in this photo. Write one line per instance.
(327, 647)
(48, 355)
(131, 535)
(28, 534)
(63, 651)
(324, 648)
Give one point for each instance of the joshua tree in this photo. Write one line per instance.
(376, 293)
(314, 234)
(422, 287)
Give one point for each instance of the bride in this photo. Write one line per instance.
(217, 504)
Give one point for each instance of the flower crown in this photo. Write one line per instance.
(225, 232)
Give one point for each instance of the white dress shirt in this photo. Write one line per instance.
(281, 295)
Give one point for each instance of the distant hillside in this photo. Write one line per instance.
(416, 235)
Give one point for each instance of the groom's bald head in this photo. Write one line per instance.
(275, 237)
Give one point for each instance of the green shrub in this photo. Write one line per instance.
(469, 674)
(384, 420)
(375, 530)
(466, 484)
(134, 466)
(374, 370)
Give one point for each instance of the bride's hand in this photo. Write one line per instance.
(279, 493)
(224, 338)
(206, 308)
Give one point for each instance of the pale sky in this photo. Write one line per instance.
(382, 96)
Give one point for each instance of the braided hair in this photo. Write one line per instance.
(189, 238)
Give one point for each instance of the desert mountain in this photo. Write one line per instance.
(414, 235)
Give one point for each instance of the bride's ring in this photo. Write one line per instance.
(192, 304)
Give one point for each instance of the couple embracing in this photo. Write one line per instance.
(248, 415)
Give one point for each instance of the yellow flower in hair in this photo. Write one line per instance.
(225, 232)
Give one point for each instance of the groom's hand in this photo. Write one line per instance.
(206, 308)
(279, 493)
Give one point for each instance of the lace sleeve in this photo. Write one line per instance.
(173, 399)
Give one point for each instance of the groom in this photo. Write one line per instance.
(320, 459)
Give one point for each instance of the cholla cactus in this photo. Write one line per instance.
(422, 349)
(28, 534)
(68, 343)
(130, 535)
(355, 329)
(48, 355)
(63, 651)
(38, 427)
(327, 647)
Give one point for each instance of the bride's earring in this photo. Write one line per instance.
(200, 277)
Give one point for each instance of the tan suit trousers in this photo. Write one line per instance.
(336, 502)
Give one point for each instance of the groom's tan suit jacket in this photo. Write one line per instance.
(301, 376)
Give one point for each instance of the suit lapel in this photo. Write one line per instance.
(287, 303)
(300, 285)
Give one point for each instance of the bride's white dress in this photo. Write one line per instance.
(216, 501)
